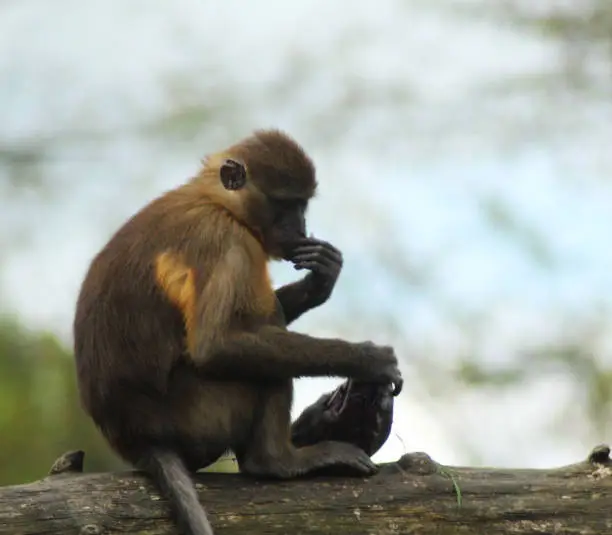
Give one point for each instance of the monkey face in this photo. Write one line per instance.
(287, 227)
(274, 179)
(279, 223)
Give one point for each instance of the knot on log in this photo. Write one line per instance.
(418, 463)
(69, 462)
(600, 455)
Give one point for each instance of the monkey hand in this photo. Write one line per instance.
(324, 262)
(384, 366)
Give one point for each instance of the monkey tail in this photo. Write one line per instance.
(169, 472)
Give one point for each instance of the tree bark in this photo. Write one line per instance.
(414, 495)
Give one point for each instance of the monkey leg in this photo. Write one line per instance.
(270, 453)
(209, 418)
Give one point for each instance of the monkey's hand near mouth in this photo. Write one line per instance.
(323, 261)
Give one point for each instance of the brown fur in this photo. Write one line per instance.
(180, 342)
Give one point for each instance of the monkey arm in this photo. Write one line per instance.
(275, 353)
(233, 337)
(324, 261)
(296, 298)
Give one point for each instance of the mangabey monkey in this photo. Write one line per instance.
(181, 346)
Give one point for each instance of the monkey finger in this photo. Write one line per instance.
(398, 385)
(321, 245)
(314, 257)
(319, 268)
(312, 266)
(330, 256)
(314, 241)
(318, 265)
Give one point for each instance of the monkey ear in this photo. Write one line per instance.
(232, 174)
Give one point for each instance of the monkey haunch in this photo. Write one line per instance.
(181, 345)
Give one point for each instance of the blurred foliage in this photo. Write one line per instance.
(20, 168)
(35, 429)
(500, 217)
(582, 29)
(579, 357)
(40, 414)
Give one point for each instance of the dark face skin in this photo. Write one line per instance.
(288, 226)
(281, 220)
(288, 239)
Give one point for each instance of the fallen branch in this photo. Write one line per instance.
(414, 495)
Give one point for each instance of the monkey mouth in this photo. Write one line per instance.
(277, 254)
(285, 244)
(287, 250)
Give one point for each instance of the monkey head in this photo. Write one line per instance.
(273, 179)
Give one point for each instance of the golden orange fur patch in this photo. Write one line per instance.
(178, 283)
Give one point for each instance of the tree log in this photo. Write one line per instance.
(414, 495)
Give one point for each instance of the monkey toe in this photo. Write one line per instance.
(355, 468)
(366, 465)
(353, 458)
(367, 468)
